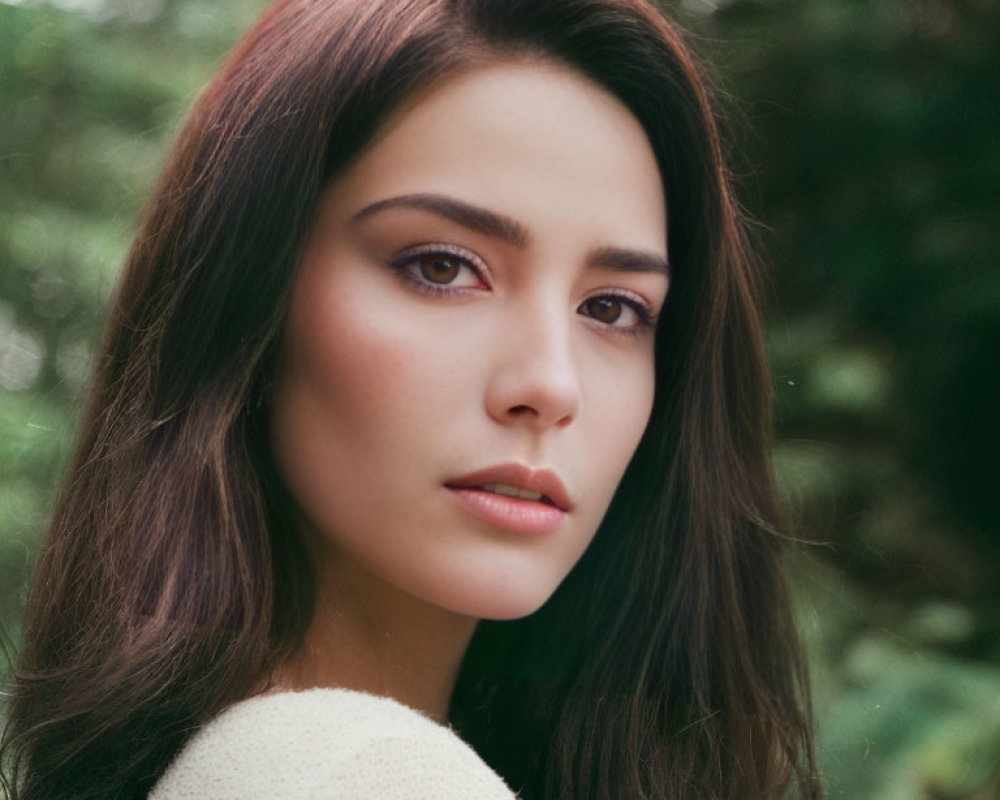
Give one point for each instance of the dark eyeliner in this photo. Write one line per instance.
(401, 261)
(647, 319)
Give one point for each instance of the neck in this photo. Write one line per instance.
(370, 636)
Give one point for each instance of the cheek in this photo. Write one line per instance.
(365, 386)
(330, 394)
(621, 400)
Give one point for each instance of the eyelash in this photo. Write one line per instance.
(647, 319)
(413, 255)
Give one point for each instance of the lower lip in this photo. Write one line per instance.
(510, 513)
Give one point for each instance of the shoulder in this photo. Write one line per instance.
(327, 744)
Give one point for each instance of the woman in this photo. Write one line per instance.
(392, 340)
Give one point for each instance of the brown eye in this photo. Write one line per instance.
(438, 268)
(619, 314)
(604, 309)
(441, 269)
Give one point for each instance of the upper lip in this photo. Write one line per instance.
(538, 480)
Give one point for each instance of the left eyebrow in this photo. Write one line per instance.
(622, 260)
(511, 231)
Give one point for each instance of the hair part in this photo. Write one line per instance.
(172, 579)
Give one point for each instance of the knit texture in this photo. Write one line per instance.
(327, 744)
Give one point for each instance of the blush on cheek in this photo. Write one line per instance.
(344, 341)
(365, 361)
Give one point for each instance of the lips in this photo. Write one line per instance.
(517, 482)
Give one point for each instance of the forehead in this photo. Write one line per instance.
(533, 139)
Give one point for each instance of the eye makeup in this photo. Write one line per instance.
(440, 269)
(645, 317)
(423, 267)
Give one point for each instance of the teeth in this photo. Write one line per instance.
(513, 491)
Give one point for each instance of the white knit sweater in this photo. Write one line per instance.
(327, 744)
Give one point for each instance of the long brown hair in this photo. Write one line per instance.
(172, 580)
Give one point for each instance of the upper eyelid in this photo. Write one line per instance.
(643, 305)
(478, 264)
(621, 294)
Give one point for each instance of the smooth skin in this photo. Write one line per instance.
(479, 288)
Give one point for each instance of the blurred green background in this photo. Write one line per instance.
(866, 141)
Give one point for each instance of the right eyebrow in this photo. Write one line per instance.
(494, 225)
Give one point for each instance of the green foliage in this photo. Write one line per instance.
(902, 716)
(91, 98)
(867, 142)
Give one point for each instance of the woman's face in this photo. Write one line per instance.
(474, 316)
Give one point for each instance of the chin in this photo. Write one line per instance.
(505, 604)
(497, 584)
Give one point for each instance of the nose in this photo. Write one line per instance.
(535, 380)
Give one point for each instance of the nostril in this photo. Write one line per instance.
(535, 396)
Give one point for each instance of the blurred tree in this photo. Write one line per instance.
(91, 92)
(869, 142)
(876, 125)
